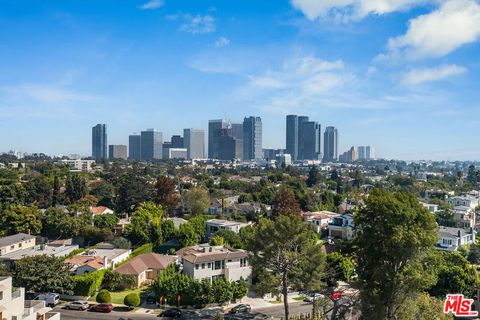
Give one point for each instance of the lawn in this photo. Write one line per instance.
(117, 297)
(299, 298)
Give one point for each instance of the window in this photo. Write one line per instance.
(12, 247)
(209, 265)
(203, 265)
(1, 295)
(218, 265)
(243, 262)
(197, 266)
(20, 245)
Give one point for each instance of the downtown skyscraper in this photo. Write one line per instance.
(194, 142)
(330, 144)
(215, 133)
(151, 145)
(252, 138)
(99, 142)
(303, 138)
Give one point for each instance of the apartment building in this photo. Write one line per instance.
(212, 262)
(13, 306)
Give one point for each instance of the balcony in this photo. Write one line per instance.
(16, 293)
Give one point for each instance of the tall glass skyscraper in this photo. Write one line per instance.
(134, 147)
(304, 138)
(194, 141)
(252, 138)
(292, 136)
(151, 145)
(330, 144)
(214, 133)
(99, 142)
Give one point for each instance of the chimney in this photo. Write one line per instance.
(105, 262)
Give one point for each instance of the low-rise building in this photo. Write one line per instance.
(464, 200)
(53, 249)
(146, 267)
(431, 207)
(16, 242)
(450, 239)
(99, 210)
(212, 262)
(79, 165)
(341, 227)
(214, 225)
(97, 259)
(13, 305)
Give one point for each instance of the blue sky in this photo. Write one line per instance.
(400, 75)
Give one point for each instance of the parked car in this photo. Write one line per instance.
(313, 297)
(172, 313)
(77, 305)
(241, 308)
(51, 299)
(102, 307)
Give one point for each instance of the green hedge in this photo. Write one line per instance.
(87, 284)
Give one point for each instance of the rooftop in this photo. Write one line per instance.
(49, 250)
(16, 238)
(146, 261)
(206, 253)
(108, 253)
(226, 222)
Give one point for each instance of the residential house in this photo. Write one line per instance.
(177, 221)
(214, 225)
(464, 200)
(100, 210)
(13, 305)
(97, 259)
(464, 217)
(431, 207)
(120, 226)
(212, 262)
(320, 220)
(341, 227)
(146, 267)
(450, 239)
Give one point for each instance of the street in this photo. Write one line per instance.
(276, 312)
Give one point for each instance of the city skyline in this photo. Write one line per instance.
(376, 72)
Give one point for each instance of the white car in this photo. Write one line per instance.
(77, 305)
(51, 299)
(313, 297)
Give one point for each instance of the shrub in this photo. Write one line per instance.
(132, 300)
(104, 296)
(115, 281)
(87, 284)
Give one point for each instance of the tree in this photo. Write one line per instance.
(103, 296)
(239, 289)
(313, 177)
(56, 191)
(75, 187)
(472, 175)
(197, 200)
(121, 243)
(115, 281)
(42, 274)
(230, 238)
(186, 235)
(454, 274)
(341, 267)
(165, 193)
(103, 191)
(285, 203)
(57, 223)
(94, 235)
(107, 221)
(21, 219)
(168, 229)
(142, 226)
(474, 254)
(132, 300)
(286, 248)
(134, 188)
(395, 236)
(221, 291)
(39, 191)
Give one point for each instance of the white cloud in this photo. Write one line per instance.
(352, 9)
(151, 5)
(418, 76)
(454, 24)
(47, 93)
(222, 42)
(299, 82)
(198, 24)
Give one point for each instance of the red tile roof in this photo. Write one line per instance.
(146, 261)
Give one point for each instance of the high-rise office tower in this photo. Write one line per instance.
(301, 137)
(214, 133)
(134, 147)
(252, 138)
(310, 144)
(361, 153)
(99, 142)
(151, 145)
(117, 151)
(194, 142)
(369, 153)
(177, 141)
(292, 136)
(330, 144)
